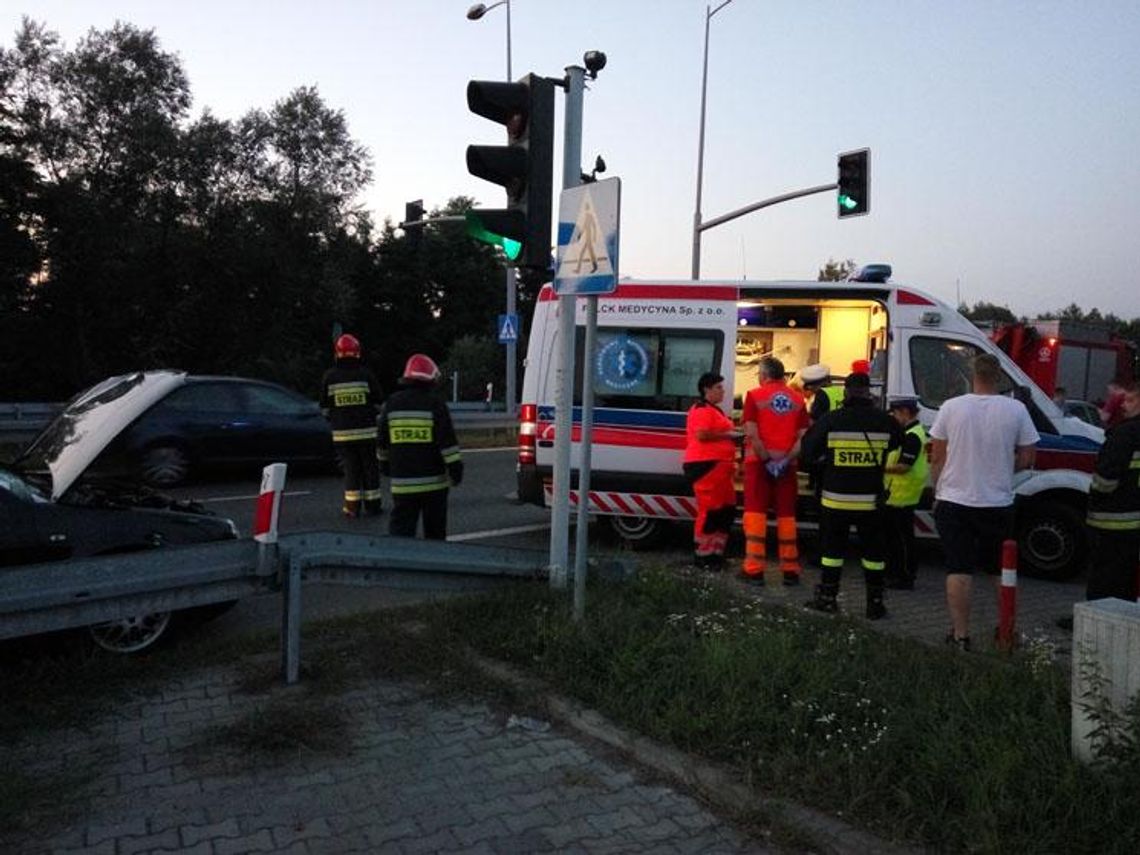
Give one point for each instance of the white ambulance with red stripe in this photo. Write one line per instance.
(656, 338)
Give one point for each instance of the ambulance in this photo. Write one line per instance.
(655, 338)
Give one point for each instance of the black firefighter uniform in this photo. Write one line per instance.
(350, 399)
(419, 452)
(852, 442)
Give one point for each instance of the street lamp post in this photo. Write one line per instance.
(474, 14)
(709, 12)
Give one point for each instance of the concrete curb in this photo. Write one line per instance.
(717, 785)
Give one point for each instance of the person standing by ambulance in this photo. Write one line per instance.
(904, 481)
(709, 465)
(824, 395)
(1114, 505)
(350, 400)
(977, 442)
(419, 452)
(775, 418)
(852, 443)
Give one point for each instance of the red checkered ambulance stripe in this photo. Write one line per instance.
(634, 504)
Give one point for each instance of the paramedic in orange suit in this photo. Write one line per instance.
(709, 464)
(775, 419)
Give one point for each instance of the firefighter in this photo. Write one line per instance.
(852, 444)
(775, 418)
(1114, 505)
(419, 452)
(350, 400)
(709, 465)
(904, 481)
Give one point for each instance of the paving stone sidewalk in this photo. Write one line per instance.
(415, 775)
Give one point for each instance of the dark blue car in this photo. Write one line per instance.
(210, 423)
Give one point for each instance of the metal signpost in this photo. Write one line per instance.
(564, 376)
(587, 264)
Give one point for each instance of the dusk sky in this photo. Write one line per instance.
(999, 130)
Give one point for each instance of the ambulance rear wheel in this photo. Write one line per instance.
(639, 532)
(1051, 540)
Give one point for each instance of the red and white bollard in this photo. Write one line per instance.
(269, 503)
(1007, 596)
(265, 517)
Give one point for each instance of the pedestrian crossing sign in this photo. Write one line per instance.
(588, 227)
(508, 328)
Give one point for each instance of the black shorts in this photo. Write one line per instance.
(972, 537)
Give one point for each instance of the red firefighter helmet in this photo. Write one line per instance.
(347, 347)
(861, 366)
(421, 367)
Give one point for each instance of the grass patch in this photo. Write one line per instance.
(964, 753)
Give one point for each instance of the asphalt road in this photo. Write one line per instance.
(481, 508)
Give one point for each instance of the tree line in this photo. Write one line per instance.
(133, 235)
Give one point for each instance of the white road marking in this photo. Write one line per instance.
(466, 451)
(250, 497)
(499, 532)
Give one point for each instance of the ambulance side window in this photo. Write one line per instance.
(648, 369)
(940, 369)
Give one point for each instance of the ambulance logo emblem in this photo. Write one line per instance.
(782, 403)
(622, 364)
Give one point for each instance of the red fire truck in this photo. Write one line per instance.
(1080, 357)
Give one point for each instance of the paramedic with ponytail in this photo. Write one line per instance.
(709, 464)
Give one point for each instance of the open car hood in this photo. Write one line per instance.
(91, 421)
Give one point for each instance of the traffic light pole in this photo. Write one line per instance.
(564, 376)
(512, 345)
(756, 206)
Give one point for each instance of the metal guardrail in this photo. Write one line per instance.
(71, 594)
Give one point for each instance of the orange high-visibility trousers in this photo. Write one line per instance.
(760, 489)
(716, 507)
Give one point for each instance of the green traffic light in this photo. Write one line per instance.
(847, 203)
(476, 229)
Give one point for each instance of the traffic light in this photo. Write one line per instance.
(854, 183)
(524, 166)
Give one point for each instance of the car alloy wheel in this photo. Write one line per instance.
(165, 466)
(131, 634)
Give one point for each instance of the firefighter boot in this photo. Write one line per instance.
(825, 598)
(875, 607)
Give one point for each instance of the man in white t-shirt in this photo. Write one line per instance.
(977, 442)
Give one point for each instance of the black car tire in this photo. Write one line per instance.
(164, 466)
(1051, 541)
(639, 532)
(131, 634)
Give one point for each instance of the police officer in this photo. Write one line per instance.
(904, 480)
(852, 443)
(350, 400)
(817, 384)
(419, 452)
(1114, 505)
